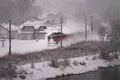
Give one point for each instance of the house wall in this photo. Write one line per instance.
(40, 36)
(26, 36)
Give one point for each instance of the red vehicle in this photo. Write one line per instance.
(56, 37)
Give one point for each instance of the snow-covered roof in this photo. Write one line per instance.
(42, 32)
(13, 27)
(36, 24)
(26, 32)
(3, 27)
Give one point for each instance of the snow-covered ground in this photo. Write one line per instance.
(42, 70)
(26, 46)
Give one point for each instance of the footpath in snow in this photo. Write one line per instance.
(43, 70)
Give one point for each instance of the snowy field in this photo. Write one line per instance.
(42, 70)
(24, 46)
(27, 46)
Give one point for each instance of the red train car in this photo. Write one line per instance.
(56, 37)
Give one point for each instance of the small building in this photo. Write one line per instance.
(40, 32)
(42, 28)
(27, 33)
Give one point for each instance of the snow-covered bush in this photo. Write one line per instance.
(104, 52)
(94, 58)
(83, 63)
(104, 49)
(22, 73)
(56, 64)
(75, 63)
(8, 71)
(32, 65)
(65, 63)
(86, 58)
(62, 68)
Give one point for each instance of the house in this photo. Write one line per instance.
(27, 33)
(4, 33)
(32, 30)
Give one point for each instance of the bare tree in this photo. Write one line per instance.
(114, 36)
(102, 33)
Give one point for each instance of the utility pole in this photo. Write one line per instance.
(24, 11)
(85, 26)
(91, 22)
(10, 22)
(61, 23)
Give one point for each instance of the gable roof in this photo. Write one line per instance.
(28, 27)
(42, 27)
(13, 27)
(35, 24)
(3, 27)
